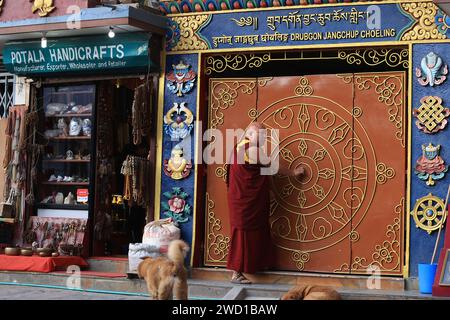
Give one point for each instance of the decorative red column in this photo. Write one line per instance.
(439, 289)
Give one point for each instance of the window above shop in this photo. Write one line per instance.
(7, 81)
(143, 3)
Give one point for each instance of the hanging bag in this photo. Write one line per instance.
(7, 207)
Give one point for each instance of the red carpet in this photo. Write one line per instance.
(99, 274)
(39, 264)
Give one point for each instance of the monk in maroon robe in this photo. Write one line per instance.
(248, 200)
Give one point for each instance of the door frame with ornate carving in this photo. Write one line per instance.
(252, 62)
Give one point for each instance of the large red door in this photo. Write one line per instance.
(348, 131)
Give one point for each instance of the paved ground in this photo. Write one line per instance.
(253, 292)
(12, 292)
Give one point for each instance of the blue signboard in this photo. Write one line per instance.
(124, 52)
(302, 26)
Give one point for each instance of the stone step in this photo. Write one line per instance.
(106, 264)
(120, 265)
(253, 293)
(198, 289)
(293, 278)
(274, 292)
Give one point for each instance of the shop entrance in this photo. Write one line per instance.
(348, 131)
(124, 147)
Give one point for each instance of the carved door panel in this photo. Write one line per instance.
(346, 213)
(229, 103)
(380, 161)
(310, 217)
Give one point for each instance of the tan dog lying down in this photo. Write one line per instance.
(311, 293)
(166, 276)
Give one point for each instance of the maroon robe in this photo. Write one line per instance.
(248, 201)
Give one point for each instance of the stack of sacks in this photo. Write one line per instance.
(160, 233)
(139, 251)
(155, 241)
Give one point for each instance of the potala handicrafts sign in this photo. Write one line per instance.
(124, 52)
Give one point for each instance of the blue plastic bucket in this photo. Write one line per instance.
(426, 277)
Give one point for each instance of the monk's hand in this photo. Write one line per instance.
(298, 172)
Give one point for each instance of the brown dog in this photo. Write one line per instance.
(166, 276)
(311, 293)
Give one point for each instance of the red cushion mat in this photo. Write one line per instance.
(39, 264)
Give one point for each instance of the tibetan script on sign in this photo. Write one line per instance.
(284, 27)
(296, 20)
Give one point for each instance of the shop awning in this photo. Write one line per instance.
(125, 53)
(125, 19)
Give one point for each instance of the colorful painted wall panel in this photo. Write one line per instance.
(422, 243)
(178, 130)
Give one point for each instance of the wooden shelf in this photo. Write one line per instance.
(70, 115)
(71, 138)
(72, 92)
(62, 206)
(65, 161)
(65, 183)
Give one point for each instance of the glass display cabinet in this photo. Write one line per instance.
(65, 175)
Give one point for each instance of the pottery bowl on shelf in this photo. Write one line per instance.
(26, 252)
(12, 251)
(44, 252)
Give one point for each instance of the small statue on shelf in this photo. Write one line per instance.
(70, 199)
(62, 126)
(69, 155)
(75, 127)
(59, 198)
(87, 127)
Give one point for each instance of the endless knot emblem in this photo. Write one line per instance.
(431, 115)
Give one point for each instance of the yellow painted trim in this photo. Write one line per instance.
(297, 7)
(313, 46)
(440, 41)
(198, 145)
(406, 267)
(159, 137)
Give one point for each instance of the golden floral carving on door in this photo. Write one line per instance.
(324, 221)
(229, 104)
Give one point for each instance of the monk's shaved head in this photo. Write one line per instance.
(257, 126)
(255, 131)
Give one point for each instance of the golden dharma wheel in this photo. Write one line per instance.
(429, 213)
